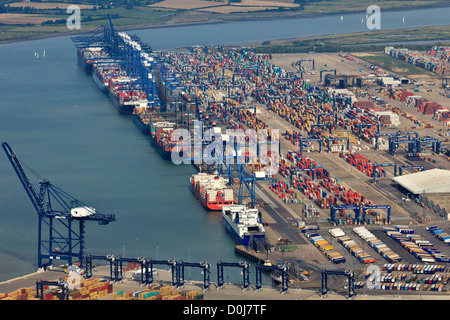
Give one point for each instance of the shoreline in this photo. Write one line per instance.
(220, 20)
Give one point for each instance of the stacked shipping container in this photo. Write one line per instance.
(436, 60)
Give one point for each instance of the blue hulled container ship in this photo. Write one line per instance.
(243, 224)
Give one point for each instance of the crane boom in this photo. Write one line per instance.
(57, 212)
(29, 188)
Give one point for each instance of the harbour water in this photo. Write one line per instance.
(65, 129)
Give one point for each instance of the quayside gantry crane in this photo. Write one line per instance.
(59, 213)
(281, 268)
(62, 285)
(245, 273)
(347, 273)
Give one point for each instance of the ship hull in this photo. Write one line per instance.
(241, 240)
(87, 67)
(166, 155)
(209, 205)
(144, 128)
(122, 108)
(99, 83)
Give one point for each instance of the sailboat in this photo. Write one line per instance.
(342, 18)
(43, 54)
(403, 21)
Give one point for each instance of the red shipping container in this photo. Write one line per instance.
(22, 296)
(48, 296)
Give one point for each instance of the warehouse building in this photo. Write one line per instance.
(432, 187)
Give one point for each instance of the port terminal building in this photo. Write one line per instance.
(429, 187)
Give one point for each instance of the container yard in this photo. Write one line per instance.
(333, 202)
(436, 60)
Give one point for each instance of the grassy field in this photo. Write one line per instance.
(138, 13)
(413, 38)
(90, 19)
(338, 6)
(225, 6)
(49, 5)
(390, 63)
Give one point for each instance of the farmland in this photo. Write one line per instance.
(19, 20)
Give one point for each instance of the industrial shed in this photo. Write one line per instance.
(428, 181)
(432, 187)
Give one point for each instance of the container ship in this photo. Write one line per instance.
(144, 117)
(102, 74)
(124, 96)
(212, 190)
(243, 224)
(87, 57)
(160, 133)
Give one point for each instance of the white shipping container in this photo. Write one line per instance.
(260, 174)
(337, 232)
(211, 195)
(82, 212)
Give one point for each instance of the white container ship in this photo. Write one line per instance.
(243, 223)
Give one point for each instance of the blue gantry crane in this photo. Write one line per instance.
(172, 263)
(382, 165)
(401, 168)
(247, 181)
(369, 207)
(62, 285)
(241, 264)
(394, 143)
(335, 207)
(302, 140)
(145, 278)
(347, 273)
(377, 137)
(329, 139)
(410, 138)
(89, 258)
(360, 211)
(281, 268)
(300, 66)
(61, 240)
(322, 71)
(435, 143)
(206, 270)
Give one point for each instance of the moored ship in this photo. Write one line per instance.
(124, 96)
(213, 191)
(144, 117)
(88, 56)
(243, 224)
(102, 74)
(160, 133)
